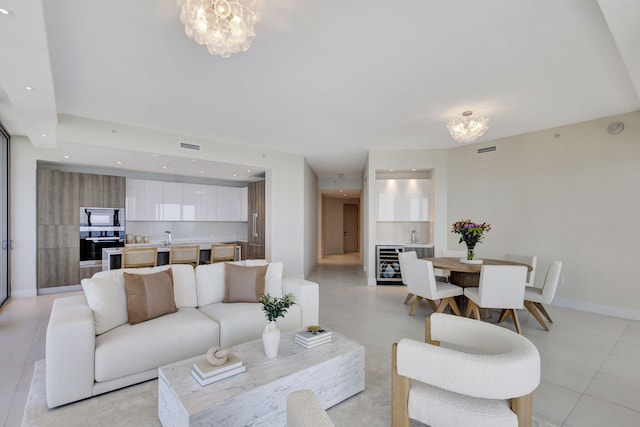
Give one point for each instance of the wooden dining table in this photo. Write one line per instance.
(467, 275)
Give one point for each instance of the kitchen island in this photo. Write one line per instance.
(111, 257)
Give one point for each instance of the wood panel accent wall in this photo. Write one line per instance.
(58, 216)
(59, 197)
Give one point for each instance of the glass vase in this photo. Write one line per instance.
(470, 253)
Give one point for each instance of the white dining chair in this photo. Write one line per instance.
(402, 256)
(482, 375)
(422, 283)
(501, 286)
(525, 259)
(535, 297)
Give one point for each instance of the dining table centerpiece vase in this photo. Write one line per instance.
(471, 233)
(274, 308)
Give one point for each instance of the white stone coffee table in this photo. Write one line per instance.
(258, 397)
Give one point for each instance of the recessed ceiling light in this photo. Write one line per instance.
(390, 170)
(44, 135)
(29, 88)
(235, 174)
(66, 156)
(201, 171)
(164, 167)
(119, 162)
(5, 12)
(413, 170)
(248, 170)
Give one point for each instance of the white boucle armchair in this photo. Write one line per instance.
(487, 378)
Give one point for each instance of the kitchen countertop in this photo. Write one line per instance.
(411, 245)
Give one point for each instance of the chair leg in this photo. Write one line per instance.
(472, 307)
(408, 298)
(516, 321)
(523, 407)
(504, 315)
(543, 311)
(399, 393)
(415, 305)
(448, 302)
(536, 314)
(433, 305)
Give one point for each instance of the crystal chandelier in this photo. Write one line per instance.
(224, 26)
(468, 128)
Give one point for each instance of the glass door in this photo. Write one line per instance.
(4, 217)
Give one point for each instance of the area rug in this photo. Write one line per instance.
(138, 405)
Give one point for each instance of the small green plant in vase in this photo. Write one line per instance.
(274, 308)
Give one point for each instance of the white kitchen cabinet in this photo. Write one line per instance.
(171, 201)
(238, 203)
(191, 202)
(208, 203)
(134, 199)
(223, 201)
(153, 196)
(403, 199)
(148, 200)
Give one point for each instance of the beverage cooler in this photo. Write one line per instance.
(387, 264)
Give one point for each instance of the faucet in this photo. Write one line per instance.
(167, 241)
(413, 236)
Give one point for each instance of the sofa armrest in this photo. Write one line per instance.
(307, 297)
(70, 351)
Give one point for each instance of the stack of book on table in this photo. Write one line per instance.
(205, 373)
(309, 339)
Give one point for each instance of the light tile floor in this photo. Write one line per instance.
(590, 374)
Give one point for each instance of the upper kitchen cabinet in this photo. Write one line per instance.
(172, 201)
(191, 202)
(144, 200)
(403, 199)
(175, 201)
(101, 191)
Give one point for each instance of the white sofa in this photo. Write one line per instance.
(92, 349)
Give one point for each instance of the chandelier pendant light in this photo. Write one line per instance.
(468, 128)
(224, 26)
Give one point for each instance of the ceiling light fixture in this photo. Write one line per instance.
(468, 128)
(29, 88)
(4, 11)
(224, 26)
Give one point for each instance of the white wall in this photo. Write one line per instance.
(23, 214)
(383, 160)
(573, 197)
(310, 219)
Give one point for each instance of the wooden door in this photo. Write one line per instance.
(350, 221)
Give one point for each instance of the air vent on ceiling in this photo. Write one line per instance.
(615, 128)
(486, 149)
(189, 146)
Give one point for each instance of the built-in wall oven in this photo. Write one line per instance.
(100, 228)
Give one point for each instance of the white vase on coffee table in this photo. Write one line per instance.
(271, 339)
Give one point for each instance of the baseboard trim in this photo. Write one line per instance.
(607, 310)
(59, 289)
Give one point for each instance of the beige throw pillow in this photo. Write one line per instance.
(149, 295)
(244, 284)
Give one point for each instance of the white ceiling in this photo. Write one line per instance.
(326, 79)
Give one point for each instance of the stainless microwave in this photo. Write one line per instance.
(101, 217)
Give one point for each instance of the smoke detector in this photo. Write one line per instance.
(615, 128)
